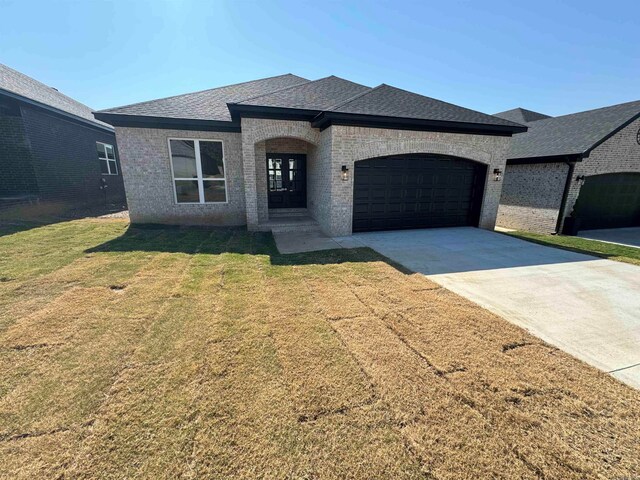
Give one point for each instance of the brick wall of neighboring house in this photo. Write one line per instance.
(620, 153)
(17, 178)
(65, 162)
(531, 196)
(146, 168)
(350, 144)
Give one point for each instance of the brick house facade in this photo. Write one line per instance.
(333, 124)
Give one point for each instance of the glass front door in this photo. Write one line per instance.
(287, 180)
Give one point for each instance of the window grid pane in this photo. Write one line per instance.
(211, 159)
(214, 191)
(187, 191)
(104, 167)
(183, 158)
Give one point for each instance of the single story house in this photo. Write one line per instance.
(54, 154)
(287, 152)
(585, 166)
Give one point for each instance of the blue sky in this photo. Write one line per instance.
(554, 57)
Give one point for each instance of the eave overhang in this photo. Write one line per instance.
(568, 158)
(326, 119)
(55, 111)
(167, 123)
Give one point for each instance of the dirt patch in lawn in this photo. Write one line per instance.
(166, 353)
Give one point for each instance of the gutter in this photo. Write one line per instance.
(565, 194)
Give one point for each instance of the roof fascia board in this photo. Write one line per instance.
(55, 111)
(278, 113)
(167, 123)
(326, 119)
(576, 157)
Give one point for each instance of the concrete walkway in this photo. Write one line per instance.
(629, 237)
(585, 305)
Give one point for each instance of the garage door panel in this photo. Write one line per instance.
(609, 201)
(418, 191)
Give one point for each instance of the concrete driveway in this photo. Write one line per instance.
(623, 236)
(584, 305)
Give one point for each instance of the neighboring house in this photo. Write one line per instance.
(585, 165)
(54, 154)
(286, 152)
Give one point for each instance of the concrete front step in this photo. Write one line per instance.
(290, 223)
(288, 212)
(295, 228)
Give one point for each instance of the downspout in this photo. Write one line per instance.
(565, 194)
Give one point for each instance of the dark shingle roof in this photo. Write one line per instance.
(318, 95)
(521, 115)
(389, 101)
(316, 100)
(207, 104)
(571, 134)
(27, 87)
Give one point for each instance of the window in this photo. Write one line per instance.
(107, 159)
(198, 171)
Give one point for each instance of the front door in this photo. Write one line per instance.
(287, 180)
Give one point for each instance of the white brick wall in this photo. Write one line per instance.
(146, 171)
(147, 174)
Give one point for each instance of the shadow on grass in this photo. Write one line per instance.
(25, 217)
(218, 240)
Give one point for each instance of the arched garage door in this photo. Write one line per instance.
(417, 191)
(609, 201)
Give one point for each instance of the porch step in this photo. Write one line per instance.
(288, 212)
(291, 223)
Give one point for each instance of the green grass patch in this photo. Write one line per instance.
(610, 251)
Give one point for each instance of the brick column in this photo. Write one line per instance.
(261, 182)
(250, 190)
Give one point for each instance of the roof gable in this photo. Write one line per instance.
(317, 95)
(521, 115)
(207, 104)
(24, 86)
(572, 134)
(389, 101)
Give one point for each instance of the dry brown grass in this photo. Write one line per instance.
(203, 354)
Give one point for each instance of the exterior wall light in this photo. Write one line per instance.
(497, 174)
(344, 173)
(580, 179)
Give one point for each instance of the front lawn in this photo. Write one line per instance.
(191, 353)
(610, 251)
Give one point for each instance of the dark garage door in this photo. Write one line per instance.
(609, 201)
(416, 191)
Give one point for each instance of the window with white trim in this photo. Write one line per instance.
(198, 170)
(107, 159)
